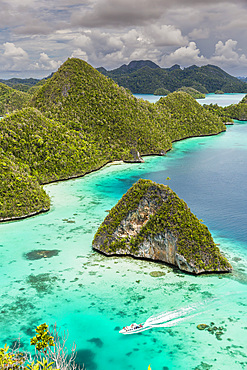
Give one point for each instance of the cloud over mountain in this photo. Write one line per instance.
(38, 35)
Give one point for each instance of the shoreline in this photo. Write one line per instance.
(109, 163)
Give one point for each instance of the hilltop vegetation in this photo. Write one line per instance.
(144, 77)
(161, 91)
(79, 120)
(189, 90)
(188, 117)
(193, 92)
(11, 99)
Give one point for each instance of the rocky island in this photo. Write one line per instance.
(151, 221)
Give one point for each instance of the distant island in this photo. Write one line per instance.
(76, 122)
(145, 77)
(150, 221)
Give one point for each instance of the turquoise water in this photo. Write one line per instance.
(220, 99)
(93, 296)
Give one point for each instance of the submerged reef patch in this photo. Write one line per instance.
(41, 253)
(86, 357)
(42, 283)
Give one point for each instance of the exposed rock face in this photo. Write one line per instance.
(135, 157)
(150, 221)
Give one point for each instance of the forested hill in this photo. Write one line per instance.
(234, 111)
(11, 99)
(145, 77)
(80, 120)
(22, 84)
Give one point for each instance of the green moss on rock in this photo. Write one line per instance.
(151, 221)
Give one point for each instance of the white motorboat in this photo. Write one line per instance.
(164, 319)
(134, 328)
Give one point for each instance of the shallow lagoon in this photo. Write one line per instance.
(93, 296)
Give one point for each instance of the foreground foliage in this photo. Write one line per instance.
(79, 120)
(50, 353)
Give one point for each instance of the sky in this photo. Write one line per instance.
(37, 36)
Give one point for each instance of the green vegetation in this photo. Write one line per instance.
(238, 111)
(172, 215)
(11, 100)
(79, 120)
(188, 117)
(233, 111)
(20, 193)
(193, 92)
(42, 340)
(219, 92)
(21, 84)
(145, 77)
(161, 91)
(220, 111)
(51, 353)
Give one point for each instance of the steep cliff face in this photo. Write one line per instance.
(150, 221)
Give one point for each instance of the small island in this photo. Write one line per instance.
(150, 221)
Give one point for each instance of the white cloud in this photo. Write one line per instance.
(46, 63)
(227, 56)
(165, 35)
(13, 57)
(112, 49)
(113, 32)
(226, 50)
(78, 53)
(13, 52)
(185, 56)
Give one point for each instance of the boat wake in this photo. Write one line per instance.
(170, 318)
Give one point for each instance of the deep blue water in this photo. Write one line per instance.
(92, 296)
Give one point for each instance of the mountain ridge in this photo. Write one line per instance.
(146, 78)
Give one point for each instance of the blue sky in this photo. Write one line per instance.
(37, 36)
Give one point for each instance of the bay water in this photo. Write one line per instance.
(220, 99)
(92, 297)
